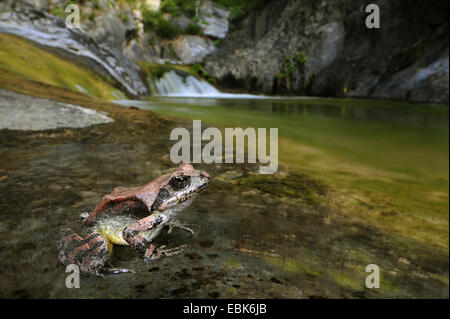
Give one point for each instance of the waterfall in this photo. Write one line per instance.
(174, 84)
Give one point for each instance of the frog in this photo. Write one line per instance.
(132, 217)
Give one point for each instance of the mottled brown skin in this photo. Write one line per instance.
(147, 209)
(90, 253)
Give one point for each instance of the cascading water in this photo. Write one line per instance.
(174, 84)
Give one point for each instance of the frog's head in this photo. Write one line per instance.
(180, 188)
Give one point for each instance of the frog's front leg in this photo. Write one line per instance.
(133, 235)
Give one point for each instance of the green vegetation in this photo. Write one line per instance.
(152, 41)
(96, 4)
(57, 11)
(123, 16)
(22, 58)
(155, 21)
(300, 57)
(238, 8)
(193, 28)
(177, 7)
(200, 71)
(290, 64)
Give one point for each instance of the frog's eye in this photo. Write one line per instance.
(179, 182)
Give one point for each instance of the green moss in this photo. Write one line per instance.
(292, 265)
(295, 185)
(21, 57)
(156, 71)
(354, 281)
(153, 70)
(230, 262)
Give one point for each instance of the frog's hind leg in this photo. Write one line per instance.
(90, 253)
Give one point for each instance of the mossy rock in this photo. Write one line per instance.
(293, 185)
(25, 59)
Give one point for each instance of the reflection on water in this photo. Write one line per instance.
(390, 112)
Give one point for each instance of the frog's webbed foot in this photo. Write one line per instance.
(154, 253)
(175, 223)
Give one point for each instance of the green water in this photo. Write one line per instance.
(390, 156)
(395, 136)
(359, 183)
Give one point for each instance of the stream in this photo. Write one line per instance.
(359, 182)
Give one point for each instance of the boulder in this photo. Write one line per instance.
(192, 48)
(213, 20)
(24, 112)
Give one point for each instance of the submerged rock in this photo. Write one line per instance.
(75, 44)
(24, 112)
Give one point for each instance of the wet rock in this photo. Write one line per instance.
(214, 294)
(193, 256)
(140, 287)
(51, 32)
(184, 274)
(180, 292)
(276, 280)
(206, 243)
(23, 112)
(182, 22)
(114, 31)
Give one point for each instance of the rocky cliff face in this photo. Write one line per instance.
(293, 47)
(121, 27)
(407, 58)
